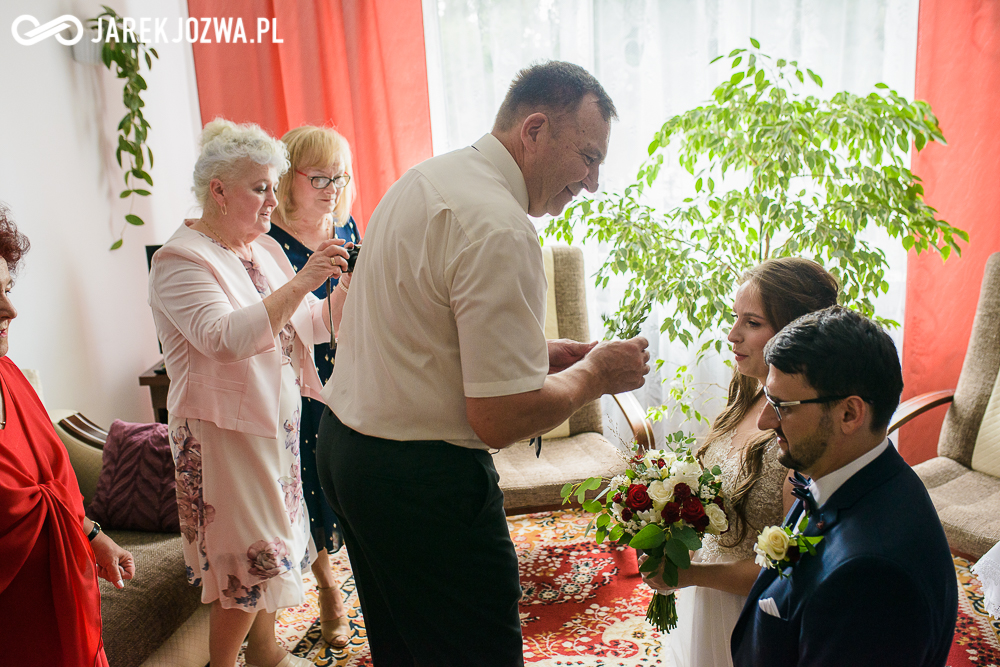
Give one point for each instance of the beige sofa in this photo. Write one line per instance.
(157, 620)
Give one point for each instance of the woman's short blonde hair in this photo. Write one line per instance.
(224, 144)
(318, 148)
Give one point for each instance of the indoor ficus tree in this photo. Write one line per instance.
(774, 172)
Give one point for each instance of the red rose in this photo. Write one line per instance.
(718, 501)
(682, 491)
(792, 555)
(702, 524)
(661, 463)
(671, 512)
(692, 511)
(637, 498)
(618, 498)
(626, 514)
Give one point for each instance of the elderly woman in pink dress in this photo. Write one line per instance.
(238, 326)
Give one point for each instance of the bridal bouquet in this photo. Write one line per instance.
(663, 504)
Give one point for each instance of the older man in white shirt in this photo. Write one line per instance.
(442, 356)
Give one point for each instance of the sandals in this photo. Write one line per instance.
(336, 632)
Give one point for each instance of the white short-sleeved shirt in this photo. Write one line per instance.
(447, 301)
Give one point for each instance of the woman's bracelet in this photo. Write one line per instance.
(342, 286)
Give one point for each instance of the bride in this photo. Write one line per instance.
(755, 487)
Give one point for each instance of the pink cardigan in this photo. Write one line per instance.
(223, 361)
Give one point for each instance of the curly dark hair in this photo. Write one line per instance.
(13, 244)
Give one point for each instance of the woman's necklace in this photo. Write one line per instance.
(221, 240)
(292, 228)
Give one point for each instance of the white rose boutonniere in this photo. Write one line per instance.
(779, 548)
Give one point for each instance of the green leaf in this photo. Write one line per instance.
(669, 572)
(687, 536)
(616, 533)
(651, 564)
(815, 77)
(755, 43)
(117, 244)
(124, 194)
(647, 538)
(678, 553)
(134, 220)
(592, 506)
(566, 491)
(736, 78)
(142, 193)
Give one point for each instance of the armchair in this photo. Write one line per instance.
(964, 479)
(576, 450)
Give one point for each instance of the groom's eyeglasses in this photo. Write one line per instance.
(779, 406)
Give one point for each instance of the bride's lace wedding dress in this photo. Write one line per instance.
(707, 616)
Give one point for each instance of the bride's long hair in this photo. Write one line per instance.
(788, 287)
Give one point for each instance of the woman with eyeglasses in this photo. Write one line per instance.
(238, 327)
(315, 197)
(755, 484)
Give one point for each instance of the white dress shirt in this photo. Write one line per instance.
(824, 487)
(447, 301)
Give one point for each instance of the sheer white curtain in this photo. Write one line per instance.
(652, 57)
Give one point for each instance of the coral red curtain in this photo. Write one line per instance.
(357, 65)
(958, 72)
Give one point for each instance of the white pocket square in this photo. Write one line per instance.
(768, 607)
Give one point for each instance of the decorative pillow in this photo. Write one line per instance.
(136, 488)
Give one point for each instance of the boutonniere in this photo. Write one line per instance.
(780, 548)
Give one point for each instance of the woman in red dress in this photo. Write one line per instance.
(50, 606)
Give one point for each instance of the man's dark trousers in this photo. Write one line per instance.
(424, 526)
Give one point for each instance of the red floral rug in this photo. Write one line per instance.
(582, 606)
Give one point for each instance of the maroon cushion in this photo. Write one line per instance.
(136, 488)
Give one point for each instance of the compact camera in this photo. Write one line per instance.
(352, 258)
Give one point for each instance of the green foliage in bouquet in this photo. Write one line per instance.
(124, 56)
(661, 505)
(774, 173)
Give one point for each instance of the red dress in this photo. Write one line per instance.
(50, 606)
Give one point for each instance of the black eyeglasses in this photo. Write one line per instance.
(322, 182)
(780, 405)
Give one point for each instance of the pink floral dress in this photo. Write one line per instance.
(239, 496)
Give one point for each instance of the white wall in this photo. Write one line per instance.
(83, 320)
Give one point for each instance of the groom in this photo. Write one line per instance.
(881, 590)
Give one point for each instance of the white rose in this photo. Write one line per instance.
(718, 522)
(660, 494)
(774, 541)
(685, 469)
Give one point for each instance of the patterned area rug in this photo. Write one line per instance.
(977, 635)
(582, 606)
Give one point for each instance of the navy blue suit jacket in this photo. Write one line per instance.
(880, 591)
